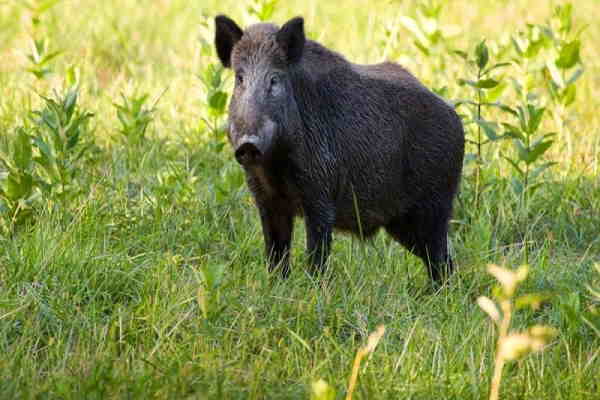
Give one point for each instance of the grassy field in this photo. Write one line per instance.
(137, 269)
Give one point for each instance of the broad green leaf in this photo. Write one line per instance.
(217, 101)
(536, 152)
(504, 108)
(22, 150)
(564, 15)
(468, 82)
(48, 57)
(522, 151)
(481, 54)
(535, 117)
(513, 131)
(567, 97)
(534, 48)
(492, 95)
(514, 165)
(461, 54)
(540, 139)
(488, 128)
(487, 83)
(424, 49)
(69, 103)
(569, 55)
(19, 187)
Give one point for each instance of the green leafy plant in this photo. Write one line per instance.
(40, 54)
(566, 45)
(210, 277)
(216, 102)
(44, 161)
(18, 183)
(549, 56)
(64, 141)
(564, 67)
(176, 183)
(512, 345)
(135, 117)
(579, 313)
(530, 146)
(487, 87)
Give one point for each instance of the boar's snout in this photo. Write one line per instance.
(249, 151)
(252, 149)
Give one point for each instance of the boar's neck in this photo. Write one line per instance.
(318, 84)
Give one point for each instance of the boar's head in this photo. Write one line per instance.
(263, 58)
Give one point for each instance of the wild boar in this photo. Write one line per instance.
(346, 146)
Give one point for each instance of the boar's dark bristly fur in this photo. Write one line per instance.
(347, 146)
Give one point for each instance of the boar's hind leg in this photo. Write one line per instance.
(425, 235)
(277, 224)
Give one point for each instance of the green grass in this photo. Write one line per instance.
(99, 298)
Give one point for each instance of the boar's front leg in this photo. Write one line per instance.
(277, 223)
(319, 218)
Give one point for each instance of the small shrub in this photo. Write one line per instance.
(45, 161)
(64, 143)
(512, 345)
(134, 117)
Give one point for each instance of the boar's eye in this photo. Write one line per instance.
(239, 78)
(274, 82)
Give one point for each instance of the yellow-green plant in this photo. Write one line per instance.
(321, 390)
(512, 345)
(210, 290)
(261, 10)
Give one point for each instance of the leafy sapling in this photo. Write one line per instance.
(213, 81)
(487, 87)
(64, 142)
(135, 117)
(530, 146)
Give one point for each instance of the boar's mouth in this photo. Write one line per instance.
(249, 151)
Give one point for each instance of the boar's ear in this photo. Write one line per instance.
(227, 33)
(291, 39)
